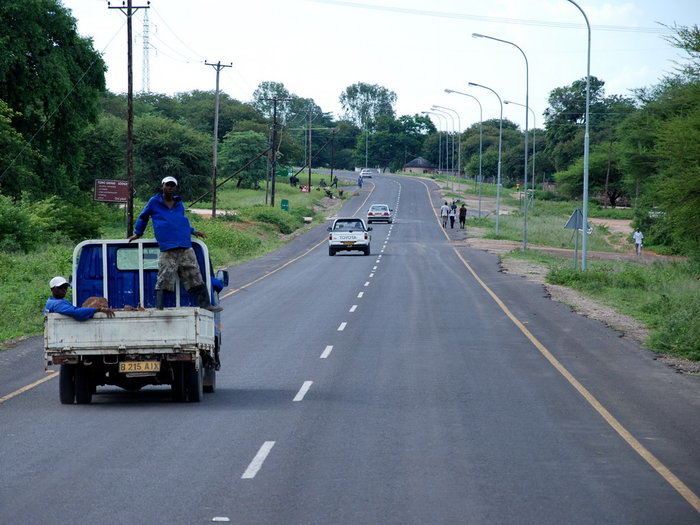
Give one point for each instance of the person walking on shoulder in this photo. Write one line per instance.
(452, 217)
(58, 304)
(637, 236)
(174, 235)
(462, 215)
(444, 213)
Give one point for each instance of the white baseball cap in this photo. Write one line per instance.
(169, 179)
(58, 281)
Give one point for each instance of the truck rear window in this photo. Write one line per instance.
(128, 258)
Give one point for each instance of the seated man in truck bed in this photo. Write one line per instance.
(57, 303)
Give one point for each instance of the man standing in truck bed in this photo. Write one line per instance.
(174, 235)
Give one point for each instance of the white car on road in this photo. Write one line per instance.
(349, 234)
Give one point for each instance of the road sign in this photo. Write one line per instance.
(108, 190)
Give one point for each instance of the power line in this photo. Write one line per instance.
(496, 19)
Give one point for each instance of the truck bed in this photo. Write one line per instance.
(133, 332)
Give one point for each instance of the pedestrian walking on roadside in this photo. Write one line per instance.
(452, 216)
(335, 182)
(462, 215)
(637, 236)
(359, 181)
(444, 213)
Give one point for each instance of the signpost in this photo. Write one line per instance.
(108, 190)
(575, 222)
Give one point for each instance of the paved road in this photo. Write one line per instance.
(416, 385)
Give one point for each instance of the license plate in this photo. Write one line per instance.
(348, 243)
(139, 366)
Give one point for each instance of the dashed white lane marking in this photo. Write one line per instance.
(303, 390)
(367, 283)
(374, 268)
(342, 326)
(371, 275)
(327, 352)
(359, 295)
(258, 460)
(353, 308)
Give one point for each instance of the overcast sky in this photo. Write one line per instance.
(415, 48)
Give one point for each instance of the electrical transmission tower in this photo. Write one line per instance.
(146, 77)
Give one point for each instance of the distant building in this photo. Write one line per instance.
(419, 165)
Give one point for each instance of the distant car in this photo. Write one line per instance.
(349, 234)
(366, 173)
(380, 212)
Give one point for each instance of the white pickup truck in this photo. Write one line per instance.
(349, 234)
(141, 345)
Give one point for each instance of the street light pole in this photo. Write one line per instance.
(439, 142)
(527, 97)
(459, 138)
(584, 246)
(534, 143)
(447, 140)
(500, 140)
(481, 136)
(452, 149)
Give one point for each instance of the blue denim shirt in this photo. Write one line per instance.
(172, 229)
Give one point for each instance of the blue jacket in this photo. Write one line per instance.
(61, 306)
(172, 229)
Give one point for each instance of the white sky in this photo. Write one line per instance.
(317, 48)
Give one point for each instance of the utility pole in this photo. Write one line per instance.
(332, 153)
(273, 145)
(309, 148)
(218, 67)
(129, 10)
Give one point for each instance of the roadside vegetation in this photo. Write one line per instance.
(41, 244)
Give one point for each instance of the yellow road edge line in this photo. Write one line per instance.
(228, 294)
(28, 387)
(625, 434)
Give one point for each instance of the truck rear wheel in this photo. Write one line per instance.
(195, 381)
(83, 384)
(331, 251)
(66, 384)
(209, 380)
(179, 392)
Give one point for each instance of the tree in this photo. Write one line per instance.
(364, 103)
(105, 143)
(17, 158)
(263, 99)
(52, 78)
(163, 147)
(239, 148)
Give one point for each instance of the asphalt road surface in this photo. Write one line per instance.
(417, 385)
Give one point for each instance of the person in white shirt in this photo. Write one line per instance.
(638, 236)
(444, 213)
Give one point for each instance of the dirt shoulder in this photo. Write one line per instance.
(626, 325)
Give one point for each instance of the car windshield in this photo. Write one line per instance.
(379, 208)
(348, 225)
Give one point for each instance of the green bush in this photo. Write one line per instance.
(74, 221)
(19, 232)
(282, 220)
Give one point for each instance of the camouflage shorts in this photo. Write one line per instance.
(182, 262)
